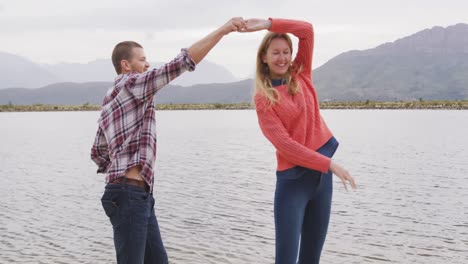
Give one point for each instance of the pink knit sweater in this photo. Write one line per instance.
(294, 124)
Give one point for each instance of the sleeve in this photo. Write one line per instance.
(305, 33)
(276, 133)
(100, 152)
(145, 85)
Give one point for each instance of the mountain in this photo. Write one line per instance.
(205, 73)
(236, 92)
(431, 64)
(16, 71)
(19, 72)
(102, 70)
(93, 93)
(58, 93)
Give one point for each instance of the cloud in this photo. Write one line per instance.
(140, 15)
(90, 28)
(118, 15)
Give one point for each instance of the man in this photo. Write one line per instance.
(125, 144)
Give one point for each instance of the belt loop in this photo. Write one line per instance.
(124, 183)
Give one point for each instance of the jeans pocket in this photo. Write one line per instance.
(109, 208)
(110, 202)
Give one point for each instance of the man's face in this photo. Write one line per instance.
(138, 61)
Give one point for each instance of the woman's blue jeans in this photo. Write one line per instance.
(137, 238)
(302, 214)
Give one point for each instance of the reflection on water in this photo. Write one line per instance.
(215, 185)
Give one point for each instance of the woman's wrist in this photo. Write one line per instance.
(268, 24)
(332, 165)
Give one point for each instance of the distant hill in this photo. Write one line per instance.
(93, 93)
(206, 72)
(95, 71)
(59, 93)
(16, 71)
(19, 72)
(102, 71)
(236, 92)
(431, 64)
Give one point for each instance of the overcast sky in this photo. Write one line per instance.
(52, 31)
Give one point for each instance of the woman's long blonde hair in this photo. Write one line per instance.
(263, 83)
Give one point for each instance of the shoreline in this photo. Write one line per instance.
(434, 105)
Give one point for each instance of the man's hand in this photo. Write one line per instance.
(234, 24)
(199, 49)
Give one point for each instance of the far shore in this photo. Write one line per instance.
(436, 105)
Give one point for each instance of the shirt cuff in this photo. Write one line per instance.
(188, 60)
(271, 26)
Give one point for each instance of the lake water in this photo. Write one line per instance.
(215, 185)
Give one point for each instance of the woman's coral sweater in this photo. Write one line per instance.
(294, 124)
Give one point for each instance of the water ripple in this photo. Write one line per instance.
(215, 187)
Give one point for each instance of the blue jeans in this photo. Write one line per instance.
(302, 213)
(137, 238)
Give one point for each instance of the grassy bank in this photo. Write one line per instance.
(459, 105)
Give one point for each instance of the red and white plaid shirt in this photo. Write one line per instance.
(126, 135)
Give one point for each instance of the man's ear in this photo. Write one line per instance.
(125, 65)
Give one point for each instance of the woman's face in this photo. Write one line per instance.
(278, 58)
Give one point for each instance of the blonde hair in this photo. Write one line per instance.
(263, 83)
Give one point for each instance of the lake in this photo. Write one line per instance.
(215, 182)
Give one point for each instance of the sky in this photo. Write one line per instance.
(55, 31)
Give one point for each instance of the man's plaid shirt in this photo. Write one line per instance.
(126, 135)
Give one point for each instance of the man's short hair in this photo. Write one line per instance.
(123, 51)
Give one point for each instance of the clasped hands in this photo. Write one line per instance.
(246, 25)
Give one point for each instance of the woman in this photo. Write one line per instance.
(289, 116)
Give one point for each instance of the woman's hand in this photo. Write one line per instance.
(255, 24)
(342, 174)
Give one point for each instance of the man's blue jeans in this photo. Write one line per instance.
(136, 232)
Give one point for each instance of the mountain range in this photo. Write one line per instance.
(93, 93)
(431, 64)
(19, 72)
